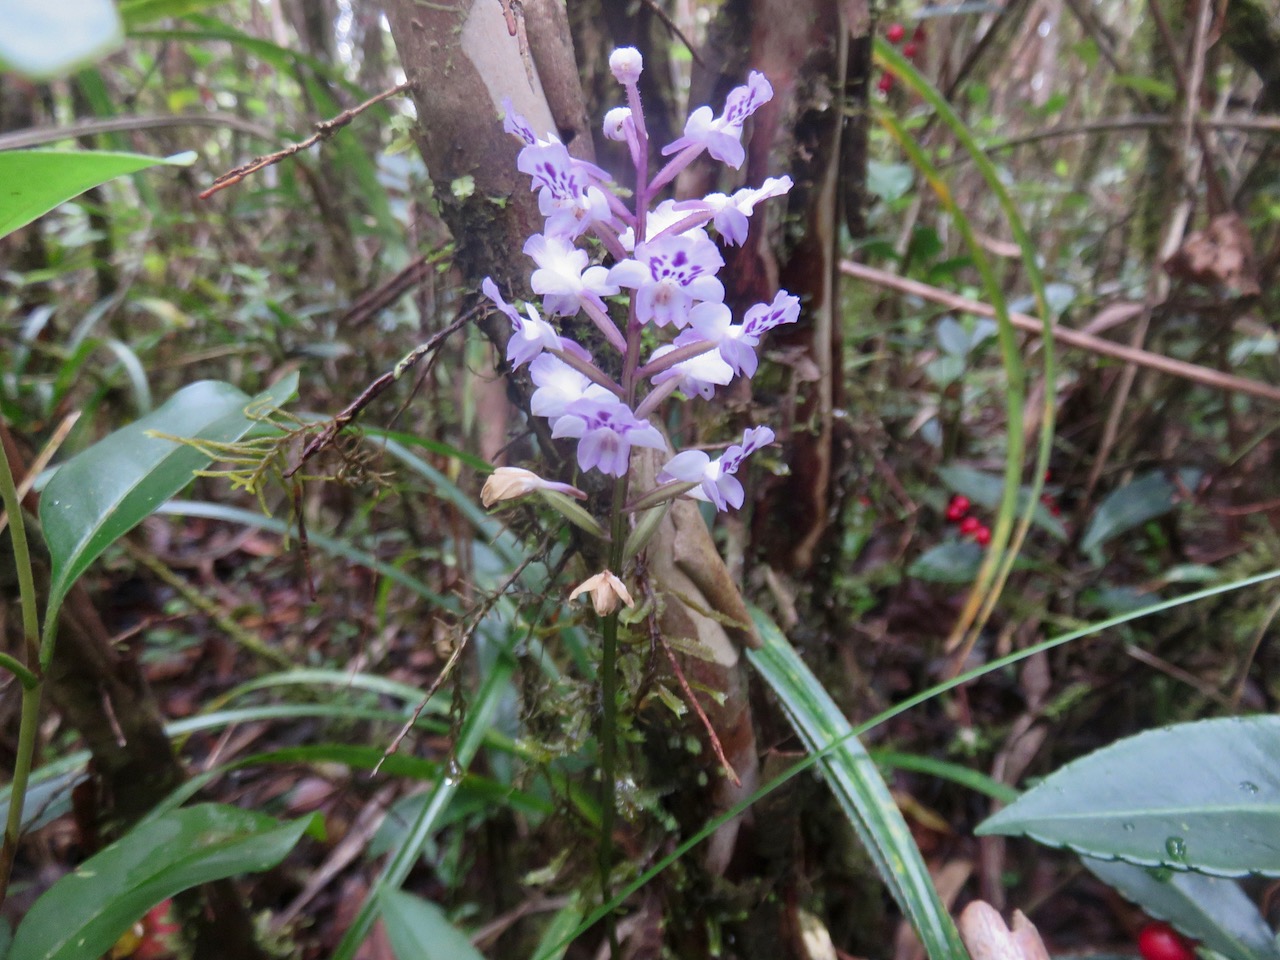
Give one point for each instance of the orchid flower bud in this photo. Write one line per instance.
(615, 124)
(605, 591)
(510, 483)
(626, 64)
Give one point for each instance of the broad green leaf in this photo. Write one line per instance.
(103, 492)
(33, 182)
(986, 490)
(856, 782)
(43, 40)
(1213, 910)
(419, 930)
(1195, 796)
(1147, 497)
(82, 915)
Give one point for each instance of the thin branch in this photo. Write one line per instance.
(36, 136)
(476, 617)
(1069, 337)
(675, 30)
(324, 130)
(1140, 121)
(658, 639)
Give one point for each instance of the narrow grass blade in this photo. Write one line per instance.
(852, 775)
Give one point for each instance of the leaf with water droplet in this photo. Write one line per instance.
(1173, 797)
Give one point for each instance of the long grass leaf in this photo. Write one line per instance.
(862, 793)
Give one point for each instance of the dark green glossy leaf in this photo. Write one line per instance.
(104, 491)
(43, 40)
(1213, 910)
(33, 182)
(1196, 796)
(419, 930)
(82, 915)
(1147, 497)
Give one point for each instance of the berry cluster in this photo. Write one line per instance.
(970, 526)
(896, 33)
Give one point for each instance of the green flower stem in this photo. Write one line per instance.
(32, 681)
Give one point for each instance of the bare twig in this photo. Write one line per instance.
(675, 31)
(1138, 121)
(474, 620)
(373, 391)
(1068, 337)
(324, 130)
(656, 637)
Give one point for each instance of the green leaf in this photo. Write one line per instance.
(1213, 910)
(955, 561)
(103, 492)
(82, 915)
(33, 182)
(1158, 89)
(1195, 796)
(856, 782)
(419, 930)
(889, 181)
(43, 40)
(1147, 497)
(138, 12)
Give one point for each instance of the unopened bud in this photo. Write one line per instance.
(626, 64)
(605, 590)
(510, 483)
(616, 122)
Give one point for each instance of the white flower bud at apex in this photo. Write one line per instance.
(615, 123)
(605, 591)
(626, 64)
(510, 483)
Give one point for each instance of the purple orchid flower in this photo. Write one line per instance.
(700, 374)
(729, 214)
(737, 343)
(560, 385)
(715, 478)
(530, 336)
(606, 430)
(669, 274)
(722, 136)
(563, 276)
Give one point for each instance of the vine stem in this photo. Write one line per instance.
(32, 678)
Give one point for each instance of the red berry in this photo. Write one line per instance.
(970, 525)
(895, 33)
(1159, 941)
(982, 536)
(961, 503)
(910, 50)
(954, 514)
(886, 83)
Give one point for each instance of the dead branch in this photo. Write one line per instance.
(324, 130)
